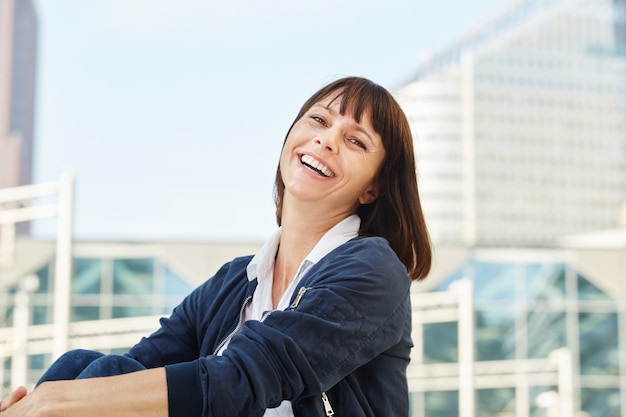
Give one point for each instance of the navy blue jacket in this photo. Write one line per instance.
(344, 342)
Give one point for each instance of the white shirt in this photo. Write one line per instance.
(261, 267)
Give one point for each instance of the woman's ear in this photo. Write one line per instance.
(369, 195)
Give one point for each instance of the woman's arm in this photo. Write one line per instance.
(140, 394)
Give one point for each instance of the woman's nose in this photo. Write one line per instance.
(329, 141)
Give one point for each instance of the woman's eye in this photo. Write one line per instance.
(319, 120)
(358, 143)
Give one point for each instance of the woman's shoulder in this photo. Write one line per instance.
(371, 254)
(374, 246)
(237, 263)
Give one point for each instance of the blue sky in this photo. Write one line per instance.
(171, 114)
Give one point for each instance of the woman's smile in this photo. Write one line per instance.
(315, 165)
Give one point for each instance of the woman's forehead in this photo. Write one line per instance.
(356, 106)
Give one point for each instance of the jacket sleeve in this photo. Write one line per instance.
(182, 336)
(353, 309)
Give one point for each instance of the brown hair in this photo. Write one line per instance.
(396, 214)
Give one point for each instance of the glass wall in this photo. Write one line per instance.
(113, 288)
(522, 313)
(102, 288)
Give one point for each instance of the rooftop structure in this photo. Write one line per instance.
(520, 126)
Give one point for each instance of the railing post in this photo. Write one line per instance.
(467, 394)
(21, 322)
(63, 267)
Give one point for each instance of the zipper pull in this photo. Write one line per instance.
(327, 407)
(296, 301)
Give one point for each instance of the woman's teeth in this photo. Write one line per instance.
(314, 164)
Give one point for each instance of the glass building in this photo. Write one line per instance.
(520, 125)
(524, 333)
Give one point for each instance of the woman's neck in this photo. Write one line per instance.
(299, 234)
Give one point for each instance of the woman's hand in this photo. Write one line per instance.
(139, 394)
(12, 398)
(18, 404)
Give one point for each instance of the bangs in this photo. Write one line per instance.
(359, 98)
(363, 97)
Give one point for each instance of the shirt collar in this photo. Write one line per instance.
(263, 262)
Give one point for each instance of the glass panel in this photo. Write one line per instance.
(600, 402)
(42, 314)
(494, 281)
(588, 291)
(546, 332)
(133, 276)
(441, 404)
(131, 311)
(87, 276)
(441, 344)
(545, 281)
(176, 284)
(495, 402)
(7, 316)
(598, 343)
(38, 362)
(543, 400)
(6, 374)
(44, 280)
(81, 313)
(495, 335)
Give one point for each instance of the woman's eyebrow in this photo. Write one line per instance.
(325, 107)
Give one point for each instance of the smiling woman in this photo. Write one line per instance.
(318, 322)
(372, 114)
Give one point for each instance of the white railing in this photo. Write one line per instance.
(468, 375)
(22, 204)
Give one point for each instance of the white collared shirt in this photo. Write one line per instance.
(261, 267)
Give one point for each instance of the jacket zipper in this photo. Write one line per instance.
(296, 301)
(237, 327)
(327, 407)
(293, 305)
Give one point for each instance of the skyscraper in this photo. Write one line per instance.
(520, 126)
(18, 58)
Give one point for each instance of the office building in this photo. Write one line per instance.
(520, 125)
(18, 62)
(522, 332)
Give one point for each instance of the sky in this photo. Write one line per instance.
(171, 114)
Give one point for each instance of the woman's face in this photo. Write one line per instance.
(331, 159)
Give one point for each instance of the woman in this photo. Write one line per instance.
(317, 323)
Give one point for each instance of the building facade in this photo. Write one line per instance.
(522, 332)
(520, 126)
(18, 63)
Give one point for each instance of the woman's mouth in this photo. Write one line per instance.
(316, 166)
